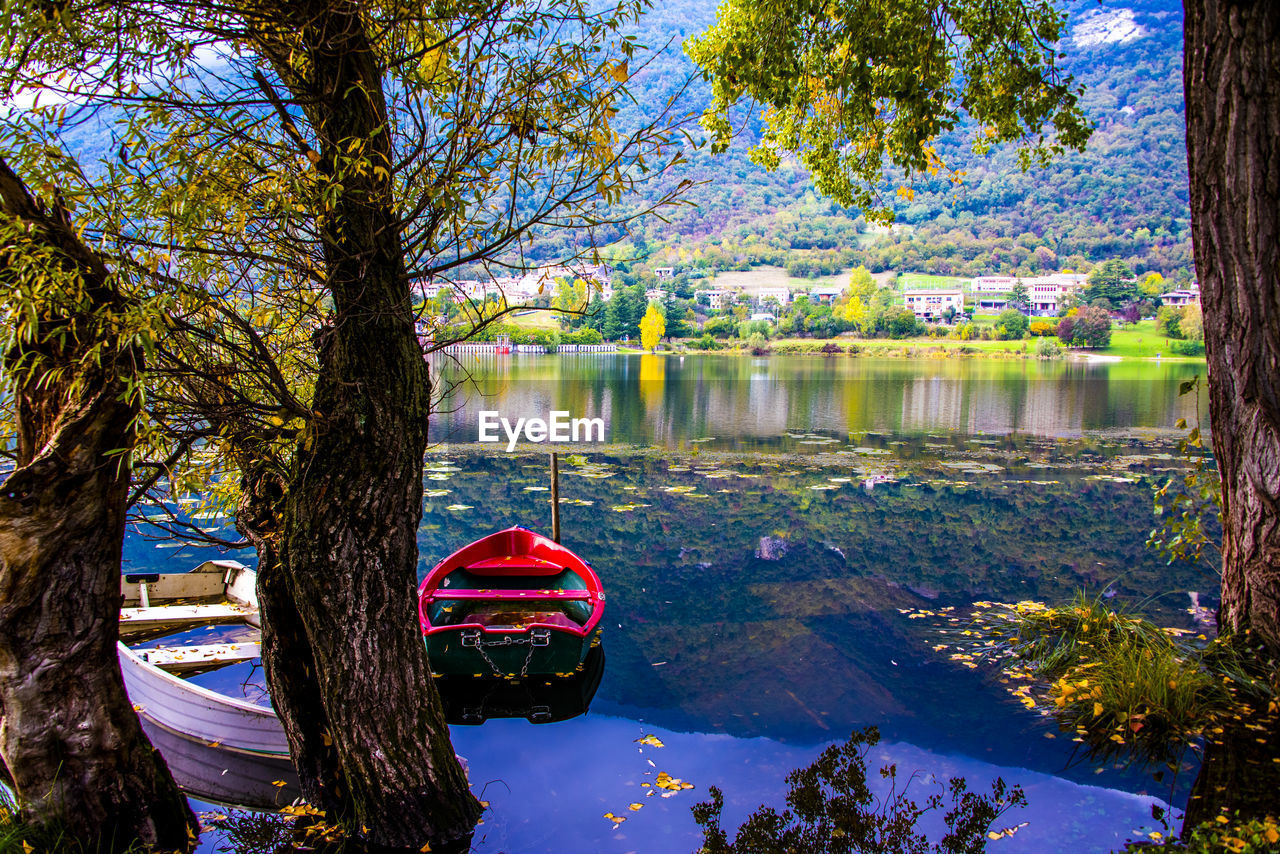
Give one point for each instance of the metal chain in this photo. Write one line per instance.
(478, 641)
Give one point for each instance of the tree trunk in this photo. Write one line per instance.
(287, 658)
(347, 545)
(1232, 84)
(70, 738)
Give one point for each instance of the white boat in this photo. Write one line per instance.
(156, 603)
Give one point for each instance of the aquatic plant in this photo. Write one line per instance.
(1128, 688)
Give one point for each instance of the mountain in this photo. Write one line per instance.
(1124, 197)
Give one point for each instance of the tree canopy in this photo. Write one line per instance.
(855, 88)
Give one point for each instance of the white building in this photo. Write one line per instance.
(782, 295)
(992, 284)
(664, 272)
(930, 305)
(716, 299)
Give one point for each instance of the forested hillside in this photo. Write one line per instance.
(1124, 197)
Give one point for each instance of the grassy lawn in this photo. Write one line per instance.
(948, 343)
(537, 319)
(926, 280)
(1141, 341)
(753, 280)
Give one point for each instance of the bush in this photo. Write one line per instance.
(1187, 348)
(1169, 320)
(1048, 349)
(1042, 328)
(901, 323)
(586, 335)
(1011, 325)
(706, 342)
(720, 327)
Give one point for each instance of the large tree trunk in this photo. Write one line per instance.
(70, 738)
(1232, 83)
(347, 546)
(287, 659)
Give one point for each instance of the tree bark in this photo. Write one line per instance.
(347, 544)
(287, 658)
(1232, 84)
(70, 738)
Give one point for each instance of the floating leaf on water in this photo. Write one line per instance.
(435, 493)
(651, 740)
(458, 507)
(537, 489)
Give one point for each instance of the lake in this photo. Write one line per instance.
(765, 528)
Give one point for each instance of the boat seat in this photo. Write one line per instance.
(465, 579)
(572, 614)
(507, 595)
(520, 619)
(514, 565)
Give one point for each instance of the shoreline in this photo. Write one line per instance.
(907, 350)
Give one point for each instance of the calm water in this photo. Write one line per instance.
(758, 587)
(750, 403)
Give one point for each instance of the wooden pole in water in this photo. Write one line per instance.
(555, 496)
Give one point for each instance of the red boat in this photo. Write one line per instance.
(511, 604)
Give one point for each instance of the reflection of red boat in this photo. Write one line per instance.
(514, 603)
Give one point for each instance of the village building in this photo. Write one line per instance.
(1180, 297)
(825, 294)
(782, 295)
(716, 299)
(933, 304)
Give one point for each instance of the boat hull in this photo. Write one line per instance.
(506, 653)
(182, 707)
(512, 604)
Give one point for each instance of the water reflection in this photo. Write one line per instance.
(549, 789)
(218, 775)
(471, 702)
(667, 400)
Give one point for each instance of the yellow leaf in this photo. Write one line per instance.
(634, 807)
(1097, 710)
(279, 784)
(619, 72)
